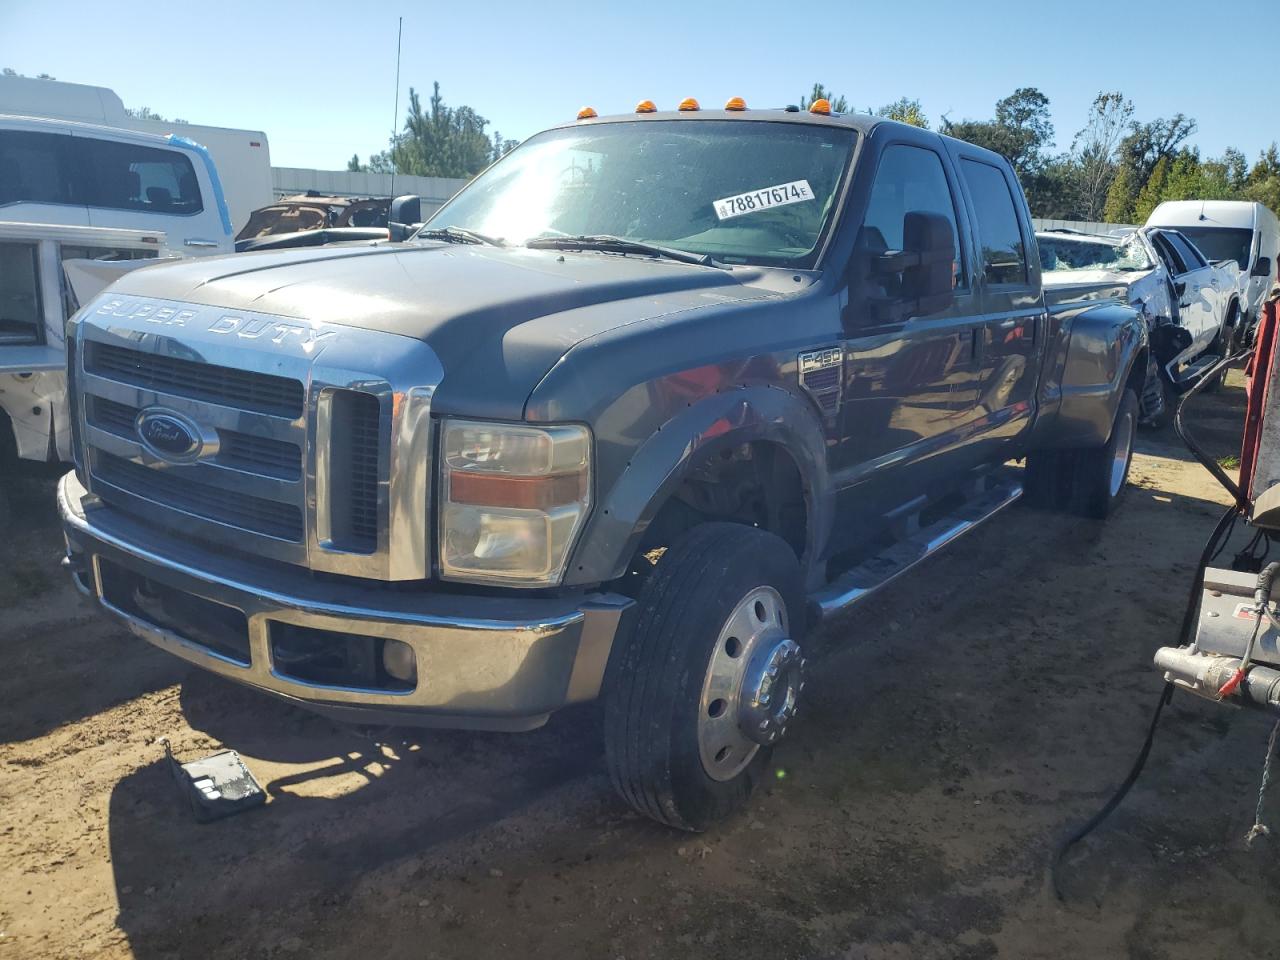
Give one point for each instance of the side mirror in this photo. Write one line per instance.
(1262, 268)
(926, 265)
(1180, 288)
(406, 214)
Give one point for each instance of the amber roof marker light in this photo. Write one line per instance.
(688, 104)
(587, 113)
(646, 106)
(735, 103)
(820, 106)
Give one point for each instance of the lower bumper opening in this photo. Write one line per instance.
(326, 658)
(221, 629)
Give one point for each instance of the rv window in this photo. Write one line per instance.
(127, 176)
(30, 170)
(20, 322)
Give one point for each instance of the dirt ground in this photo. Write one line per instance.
(955, 728)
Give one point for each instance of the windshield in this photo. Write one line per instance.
(1221, 243)
(1063, 253)
(742, 191)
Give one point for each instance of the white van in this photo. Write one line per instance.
(65, 173)
(243, 157)
(1238, 230)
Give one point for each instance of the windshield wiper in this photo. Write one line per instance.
(458, 235)
(610, 243)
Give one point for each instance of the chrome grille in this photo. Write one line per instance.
(305, 454)
(243, 389)
(354, 444)
(242, 451)
(170, 488)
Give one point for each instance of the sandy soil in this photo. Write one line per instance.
(956, 727)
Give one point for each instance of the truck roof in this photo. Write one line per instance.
(861, 122)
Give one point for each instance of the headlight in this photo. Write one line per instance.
(512, 500)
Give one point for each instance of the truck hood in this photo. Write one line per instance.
(497, 318)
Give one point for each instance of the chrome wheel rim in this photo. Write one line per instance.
(1120, 459)
(753, 677)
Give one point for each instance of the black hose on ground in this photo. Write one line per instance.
(1064, 846)
(1206, 461)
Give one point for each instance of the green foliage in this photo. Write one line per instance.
(1020, 132)
(1095, 154)
(905, 110)
(353, 165)
(1152, 191)
(440, 141)
(838, 103)
(1120, 197)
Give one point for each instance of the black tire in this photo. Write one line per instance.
(1081, 481)
(654, 687)
(1096, 486)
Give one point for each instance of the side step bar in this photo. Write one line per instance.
(872, 574)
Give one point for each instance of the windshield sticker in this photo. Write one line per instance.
(796, 191)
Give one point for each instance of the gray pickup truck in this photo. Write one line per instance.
(644, 402)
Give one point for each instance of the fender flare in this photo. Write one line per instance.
(660, 464)
(1106, 341)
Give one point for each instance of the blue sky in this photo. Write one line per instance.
(319, 77)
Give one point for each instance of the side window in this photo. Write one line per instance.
(30, 170)
(1172, 257)
(908, 179)
(1188, 251)
(1003, 254)
(20, 320)
(128, 176)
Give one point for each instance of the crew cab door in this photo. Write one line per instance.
(140, 186)
(910, 382)
(1009, 291)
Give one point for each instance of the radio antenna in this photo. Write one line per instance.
(395, 120)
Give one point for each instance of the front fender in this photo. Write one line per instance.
(1105, 343)
(660, 464)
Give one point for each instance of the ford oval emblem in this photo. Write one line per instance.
(169, 435)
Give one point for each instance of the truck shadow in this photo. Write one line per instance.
(344, 803)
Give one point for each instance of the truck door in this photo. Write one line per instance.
(909, 383)
(1013, 309)
(1201, 303)
(139, 186)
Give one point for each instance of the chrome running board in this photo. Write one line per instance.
(869, 576)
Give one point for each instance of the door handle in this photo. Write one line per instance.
(1008, 324)
(193, 242)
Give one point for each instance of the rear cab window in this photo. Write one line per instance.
(1004, 251)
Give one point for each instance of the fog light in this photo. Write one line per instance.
(399, 662)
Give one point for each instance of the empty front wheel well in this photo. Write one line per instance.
(756, 483)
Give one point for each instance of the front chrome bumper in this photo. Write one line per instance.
(483, 662)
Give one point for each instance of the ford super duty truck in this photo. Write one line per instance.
(630, 414)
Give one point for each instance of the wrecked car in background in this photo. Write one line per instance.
(306, 220)
(1192, 308)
